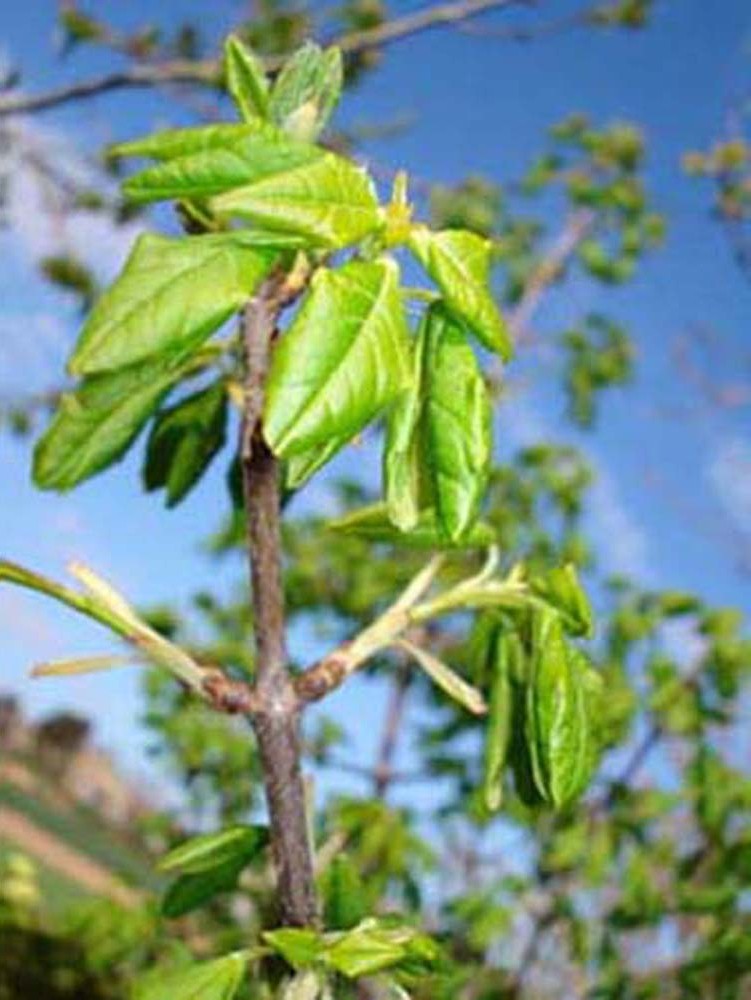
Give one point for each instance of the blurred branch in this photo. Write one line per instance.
(549, 270)
(516, 33)
(383, 773)
(208, 72)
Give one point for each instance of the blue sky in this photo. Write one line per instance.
(479, 105)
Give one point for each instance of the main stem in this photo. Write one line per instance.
(276, 720)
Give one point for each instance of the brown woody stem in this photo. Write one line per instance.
(276, 715)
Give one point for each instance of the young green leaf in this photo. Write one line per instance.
(560, 588)
(329, 200)
(299, 468)
(246, 80)
(217, 980)
(344, 899)
(406, 473)
(373, 946)
(238, 843)
(183, 441)
(457, 425)
(170, 297)
(459, 263)
(191, 891)
(298, 946)
(199, 163)
(498, 731)
(439, 442)
(95, 425)
(341, 362)
(259, 173)
(557, 725)
(307, 91)
(373, 522)
(364, 951)
(172, 143)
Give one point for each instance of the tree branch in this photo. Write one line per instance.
(276, 718)
(577, 228)
(208, 72)
(383, 772)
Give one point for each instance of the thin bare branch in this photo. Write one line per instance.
(208, 72)
(577, 228)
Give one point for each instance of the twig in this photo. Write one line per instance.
(384, 774)
(208, 72)
(549, 270)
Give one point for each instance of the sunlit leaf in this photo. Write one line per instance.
(237, 843)
(438, 445)
(306, 91)
(171, 296)
(558, 725)
(217, 980)
(459, 263)
(258, 173)
(560, 588)
(246, 80)
(327, 199)
(341, 362)
(298, 946)
(498, 730)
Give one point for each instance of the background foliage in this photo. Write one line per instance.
(637, 891)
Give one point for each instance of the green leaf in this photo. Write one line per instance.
(95, 425)
(459, 263)
(439, 440)
(246, 80)
(259, 173)
(558, 724)
(374, 523)
(364, 953)
(375, 945)
(192, 891)
(300, 468)
(183, 441)
(217, 980)
(498, 731)
(406, 471)
(329, 200)
(560, 588)
(172, 143)
(341, 362)
(298, 946)
(171, 296)
(238, 843)
(307, 91)
(198, 163)
(344, 899)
